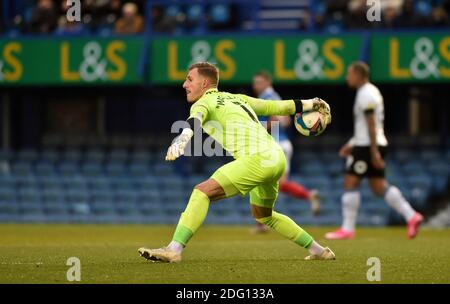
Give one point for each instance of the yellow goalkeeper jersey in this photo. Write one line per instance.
(232, 120)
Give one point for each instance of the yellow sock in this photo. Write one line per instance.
(287, 228)
(192, 217)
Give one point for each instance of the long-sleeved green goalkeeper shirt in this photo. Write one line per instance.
(232, 120)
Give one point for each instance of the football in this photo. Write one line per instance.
(311, 123)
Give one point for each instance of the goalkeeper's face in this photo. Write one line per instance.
(195, 85)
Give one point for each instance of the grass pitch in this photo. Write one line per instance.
(216, 254)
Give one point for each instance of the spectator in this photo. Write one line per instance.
(44, 18)
(222, 17)
(131, 22)
(407, 17)
(114, 8)
(357, 16)
(162, 22)
(439, 17)
(66, 27)
(390, 14)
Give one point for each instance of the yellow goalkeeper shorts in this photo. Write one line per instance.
(258, 174)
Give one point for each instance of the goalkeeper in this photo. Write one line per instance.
(231, 119)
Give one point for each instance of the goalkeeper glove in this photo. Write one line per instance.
(319, 105)
(176, 149)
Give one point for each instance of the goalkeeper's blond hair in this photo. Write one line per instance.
(207, 70)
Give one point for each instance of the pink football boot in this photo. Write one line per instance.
(414, 225)
(340, 234)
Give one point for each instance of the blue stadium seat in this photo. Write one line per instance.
(139, 169)
(296, 207)
(8, 208)
(118, 155)
(148, 182)
(115, 169)
(5, 155)
(57, 218)
(192, 180)
(50, 156)
(149, 196)
(319, 182)
(403, 155)
(26, 181)
(311, 168)
(175, 194)
(7, 181)
(211, 166)
(417, 197)
(37, 216)
(44, 169)
(334, 168)
(101, 196)
(147, 207)
(68, 168)
(337, 182)
(7, 195)
(53, 196)
(76, 196)
(51, 182)
(27, 155)
(126, 196)
(54, 208)
(305, 156)
(75, 183)
(99, 183)
(439, 173)
(72, 155)
(22, 168)
(439, 167)
(92, 168)
(171, 182)
(419, 180)
(429, 155)
(412, 168)
(163, 169)
(31, 207)
(94, 155)
(123, 183)
(29, 195)
(141, 156)
(126, 208)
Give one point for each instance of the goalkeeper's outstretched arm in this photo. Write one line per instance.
(287, 107)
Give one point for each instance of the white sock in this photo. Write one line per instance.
(395, 199)
(350, 205)
(175, 246)
(315, 249)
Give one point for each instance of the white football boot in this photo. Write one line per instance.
(327, 254)
(163, 254)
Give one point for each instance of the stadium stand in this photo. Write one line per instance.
(115, 177)
(199, 17)
(99, 185)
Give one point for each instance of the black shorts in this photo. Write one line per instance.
(359, 162)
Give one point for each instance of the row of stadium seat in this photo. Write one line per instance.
(426, 155)
(171, 183)
(140, 168)
(35, 188)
